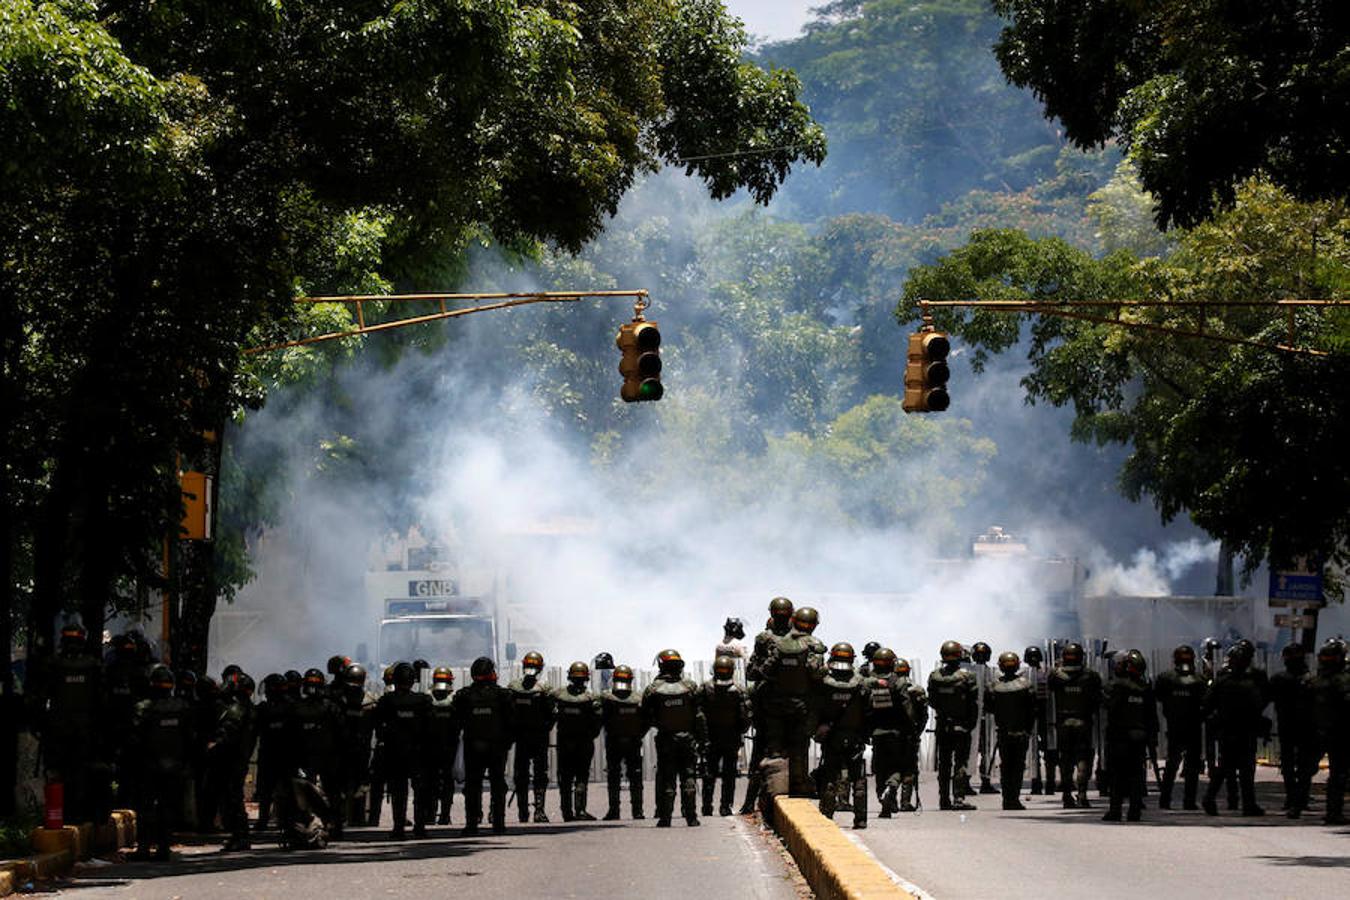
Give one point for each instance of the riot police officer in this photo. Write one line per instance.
(726, 706)
(791, 669)
(378, 769)
(1077, 694)
(73, 686)
(125, 685)
(980, 656)
(897, 713)
(535, 712)
(274, 749)
(1331, 718)
(840, 711)
(779, 624)
(401, 720)
(1236, 698)
(1131, 728)
(229, 752)
(354, 742)
(625, 727)
(442, 744)
(1292, 691)
(1044, 755)
(671, 705)
(483, 710)
(160, 740)
(314, 733)
(869, 648)
(578, 727)
(1012, 697)
(1181, 691)
(953, 696)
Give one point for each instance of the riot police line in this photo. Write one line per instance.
(326, 750)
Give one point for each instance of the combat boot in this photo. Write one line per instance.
(540, 817)
(635, 794)
(523, 802)
(615, 797)
(987, 786)
(1036, 786)
(498, 815)
(1067, 801)
(708, 788)
(1082, 799)
(1050, 783)
(886, 800)
(906, 799)
(579, 804)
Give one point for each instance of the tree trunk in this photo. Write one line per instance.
(1223, 582)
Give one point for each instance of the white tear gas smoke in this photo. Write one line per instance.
(586, 560)
(1148, 574)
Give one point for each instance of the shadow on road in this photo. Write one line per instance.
(358, 846)
(1316, 862)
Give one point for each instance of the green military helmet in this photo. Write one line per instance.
(1073, 655)
(1331, 655)
(901, 667)
(579, 672)
(1136, 665)
(780, 608)
(623, 673)
(442, 678)
(532, 663)
(354, 675)
(670, 663)
(244, 685)
(724, 668)
(806, 619)
(1009, 662)
(313, 682)
(483, 670)
(842, 657)
(162, 680)
(336, 663)
(389, 676)
(404, 675)
(981, 652)
(883, 661)
(274, 686)
(950, 651)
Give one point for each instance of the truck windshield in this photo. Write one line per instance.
(441, 642)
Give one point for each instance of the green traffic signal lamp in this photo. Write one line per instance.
(640, 365)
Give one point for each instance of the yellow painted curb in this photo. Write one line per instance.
(44, 865)
(6, 882)
(832, 865)
(54, 840)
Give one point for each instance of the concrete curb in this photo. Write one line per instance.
(832, 864)
(56, 850)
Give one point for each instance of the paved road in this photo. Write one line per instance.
(1050, 852)
(601, 859)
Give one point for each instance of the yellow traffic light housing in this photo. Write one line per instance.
(926, 372)
(640, 365)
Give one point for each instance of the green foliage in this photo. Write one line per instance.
(1235, 436)
(916, 108)
(1203, 94)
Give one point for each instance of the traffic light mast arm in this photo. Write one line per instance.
(504, 300)
(1067, 310)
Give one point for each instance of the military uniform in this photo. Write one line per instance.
(1236, 699)
(535, 711)
(1182, 693)
(1292, 692)
(160, 742)
(1331, 720)
(229, 754)
(73, 682)
(314, 733)
(952, 696)
(758, 691)
(354, 753)
(671, 705)
(401, 719)
(897, 713)
(578, 727)
(441, 746)
(1012, 699)
(124, 687)
(275, 756)
(484, 711)
(625, 728)
(1077, 693)
(726, 707)
(1131, 728)
(790, 673)
(841, 714)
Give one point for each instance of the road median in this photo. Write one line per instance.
(832, 865)
(56, 850)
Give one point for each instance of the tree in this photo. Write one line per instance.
(1203, 94)
(174, 174)
(1240, 438)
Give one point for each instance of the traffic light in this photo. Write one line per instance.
(926, 372)
(640, 366)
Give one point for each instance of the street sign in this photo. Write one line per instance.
(1301, 586)
(1285, 620)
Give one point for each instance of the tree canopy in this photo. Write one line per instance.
(1203, 94)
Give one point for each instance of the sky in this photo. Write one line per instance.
(772, 19)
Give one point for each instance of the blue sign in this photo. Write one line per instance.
(1297, 587)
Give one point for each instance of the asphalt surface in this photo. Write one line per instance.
(722, 858)
(1049, 851)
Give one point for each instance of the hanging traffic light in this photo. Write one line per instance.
(926, 372)
(640, 366)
